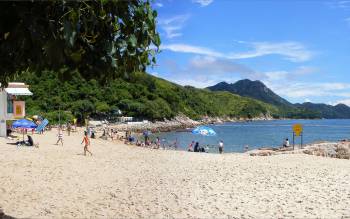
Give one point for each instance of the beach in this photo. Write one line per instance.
(125, 181)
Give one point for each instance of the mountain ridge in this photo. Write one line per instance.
(258, 90)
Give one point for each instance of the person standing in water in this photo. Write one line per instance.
(86, 141)
(60, 136)
(221, 147)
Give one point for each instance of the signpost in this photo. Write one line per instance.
(298, 131)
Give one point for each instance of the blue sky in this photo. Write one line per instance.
(300, 49)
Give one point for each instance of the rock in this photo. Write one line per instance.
(261, 153)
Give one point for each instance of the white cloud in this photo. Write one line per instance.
(159, 5)
(203, 3)
(343, 4)
(288, 76)
(276, 75)
(292, 51)
(204, 71)
(304, 70)
(185, 48)
(172, 26)
(307, 90)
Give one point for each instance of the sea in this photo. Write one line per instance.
(256, 134)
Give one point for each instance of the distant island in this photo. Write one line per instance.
(258, 90)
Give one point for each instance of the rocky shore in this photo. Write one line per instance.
(180, 122)
(339, 150)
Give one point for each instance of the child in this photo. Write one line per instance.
(60, 136)
(87, 143)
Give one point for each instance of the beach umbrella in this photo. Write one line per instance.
(204, 131)
(24, 124)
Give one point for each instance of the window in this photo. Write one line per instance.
(9, 104)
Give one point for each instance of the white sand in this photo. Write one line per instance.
(127, 181)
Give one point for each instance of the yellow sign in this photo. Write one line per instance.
(19, 109)
(298, 129)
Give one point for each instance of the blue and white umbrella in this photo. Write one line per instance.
(24, 124)
(204, 130)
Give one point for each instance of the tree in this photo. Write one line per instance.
(102, 39)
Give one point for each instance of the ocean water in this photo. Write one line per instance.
(260, 134)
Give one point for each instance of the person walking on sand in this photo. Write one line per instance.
(86, 141)
(60, 136)
(221, 146)
(69, 128)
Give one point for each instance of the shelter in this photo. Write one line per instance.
(10, 107)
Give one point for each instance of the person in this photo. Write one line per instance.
(286, 143)
(145, 134)
(69, 128)
(30, 141)
(163, 143)
(138, 143)
(207, 148)
(112, 134)
(75, 124)
(60, 136)
(175, 144)
(88, 130)
(221, 146)
(246, 148)
(190, 147)
(86, 141)
(131, 139)
(158, 143)
(196, 147)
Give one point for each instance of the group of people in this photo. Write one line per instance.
(148, 143)
(195, 147)
(86, 140)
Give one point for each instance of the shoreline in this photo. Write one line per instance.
(179, 122)
(338, 149)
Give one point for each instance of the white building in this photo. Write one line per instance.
(10, 107)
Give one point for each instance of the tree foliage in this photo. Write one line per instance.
(141, 95)
(102, 39)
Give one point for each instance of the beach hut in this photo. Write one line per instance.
(10, 107)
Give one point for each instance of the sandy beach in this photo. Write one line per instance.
(123, 181)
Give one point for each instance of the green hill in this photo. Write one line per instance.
(340, 111)
(140, 95)
(257, 90)
(253, 89)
